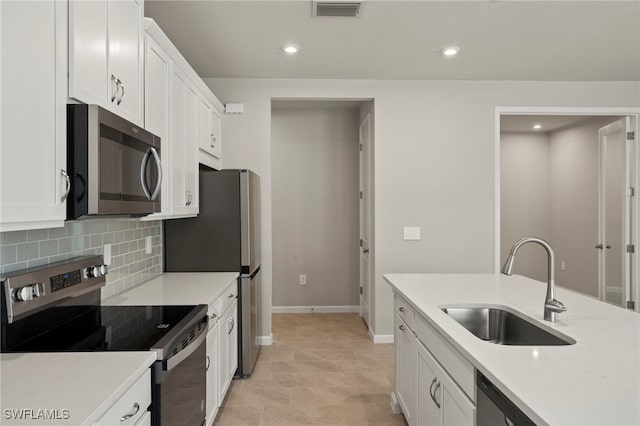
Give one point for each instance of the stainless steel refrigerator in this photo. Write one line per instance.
(225, 237)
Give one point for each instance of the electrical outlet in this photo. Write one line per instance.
(147, 244)
(303, 279)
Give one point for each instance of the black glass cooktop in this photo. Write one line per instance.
(92, 328)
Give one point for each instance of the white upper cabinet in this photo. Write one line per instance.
(210, 125)
(33, 185)
(157, 96)
(106, 54)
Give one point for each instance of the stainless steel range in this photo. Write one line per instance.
(57, 308)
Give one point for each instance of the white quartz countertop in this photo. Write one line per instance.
(76, 388)
(593, 382)
(176, 288)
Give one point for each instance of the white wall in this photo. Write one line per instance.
(315, 206)
(524, 199)
(434, 162)
(574, 164)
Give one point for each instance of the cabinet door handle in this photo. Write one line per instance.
(122, 92)
(402, 309)
(114, 83)
(67, 188)
(213, 141)
(402, 328)
(213, 316)
(134, 410)
(434, 396)
(231, 296)
(233, 323)
(208, 363)
(433, 382)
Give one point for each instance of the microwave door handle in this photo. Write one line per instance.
(156, 190)
(143, 173)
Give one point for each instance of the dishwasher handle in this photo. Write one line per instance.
(512, 413)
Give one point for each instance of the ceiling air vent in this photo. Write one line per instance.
(337, 8)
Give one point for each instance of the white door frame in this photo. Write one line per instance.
(365, 209)
(590, 111)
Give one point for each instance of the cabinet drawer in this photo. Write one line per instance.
(229, 296)
(134, 402)
(214, 312)
(456, 365)
(404, 311)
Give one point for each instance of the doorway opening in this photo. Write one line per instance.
(570, 178)
(322, 186)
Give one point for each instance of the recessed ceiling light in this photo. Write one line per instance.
(290, 49)
(450, 51)
(537, 126)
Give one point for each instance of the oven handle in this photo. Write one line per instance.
(183, 354)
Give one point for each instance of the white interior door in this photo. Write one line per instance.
(365, 218)
(615, 243)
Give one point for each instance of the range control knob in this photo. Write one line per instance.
(24, 294)
(97, 271)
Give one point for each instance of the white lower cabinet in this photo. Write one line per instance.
(439, 400)
(405, 369)
(222, 348)
(430, 391)
(212, 371)
(131, 408)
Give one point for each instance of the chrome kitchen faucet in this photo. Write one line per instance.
(551, 306)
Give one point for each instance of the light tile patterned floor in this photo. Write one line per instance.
(322, 369)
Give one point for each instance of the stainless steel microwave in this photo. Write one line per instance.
(114, 165)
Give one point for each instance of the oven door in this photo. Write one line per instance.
(179, 388)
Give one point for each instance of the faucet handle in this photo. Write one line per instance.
(555, 305)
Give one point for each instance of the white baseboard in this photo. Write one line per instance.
(313, 309)
(265, 340)
(383, 338)
(395, 405)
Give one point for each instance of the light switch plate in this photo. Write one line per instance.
(411, 233)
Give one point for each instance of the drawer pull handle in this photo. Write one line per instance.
(402, 328)
(213, 316)
(402, 309)
(231, 296)
(134, 410)
(208, 363)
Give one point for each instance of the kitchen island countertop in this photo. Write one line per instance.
(593, 382)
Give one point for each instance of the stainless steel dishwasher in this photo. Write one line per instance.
(494, 408)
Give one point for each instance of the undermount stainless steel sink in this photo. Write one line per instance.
(504, 327)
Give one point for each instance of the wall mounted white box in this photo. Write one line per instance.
(411, 233)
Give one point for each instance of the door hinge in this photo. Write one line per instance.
(360, 147)
(631, 136)
(361, 195)
(360, 242)
(630, 303)
(631, 248)
(631, 192)
(361, 292)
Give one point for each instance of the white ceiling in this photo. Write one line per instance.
(394, 39)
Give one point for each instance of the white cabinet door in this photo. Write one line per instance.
(210, 129)
(212, 373)
(223, 359)
(228, 347)
(191, 148)
(88, 51)
(125, 56)
(405, 369)
(33, 115)
(106, 55)
(180, 198)
(157, 75)
(232, 335)
(439, 399)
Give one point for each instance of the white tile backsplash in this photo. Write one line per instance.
(130, 264)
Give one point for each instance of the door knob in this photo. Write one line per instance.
(608, 246)
(599, 246)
